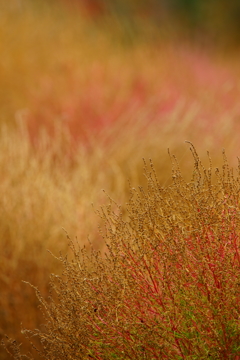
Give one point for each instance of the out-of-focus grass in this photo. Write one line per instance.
(55, 65)
(45, 190)
(81, 104)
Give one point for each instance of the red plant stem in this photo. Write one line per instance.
(237, 255)
(153, 281)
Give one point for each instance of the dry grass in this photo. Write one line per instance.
(48, 188)
(53, 187)
(168, 285)
(66, 135)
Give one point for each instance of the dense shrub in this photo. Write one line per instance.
(167, 286)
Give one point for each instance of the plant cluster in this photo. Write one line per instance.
(63, 129)
(167, 286)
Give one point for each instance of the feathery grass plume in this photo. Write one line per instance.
(168, 285)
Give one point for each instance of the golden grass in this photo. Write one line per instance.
(167, 286)
(124, 98)
(53, 187)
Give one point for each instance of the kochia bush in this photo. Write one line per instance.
(168, 285)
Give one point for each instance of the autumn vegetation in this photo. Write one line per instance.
(84, 98)
(167, 286)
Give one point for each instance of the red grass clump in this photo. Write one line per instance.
(168, 286)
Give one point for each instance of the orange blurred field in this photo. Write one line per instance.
(81, 104)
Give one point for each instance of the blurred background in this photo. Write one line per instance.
(87, 89)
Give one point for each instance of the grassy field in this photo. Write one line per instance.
(82, 103)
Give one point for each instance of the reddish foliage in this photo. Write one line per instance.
(191, 86)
